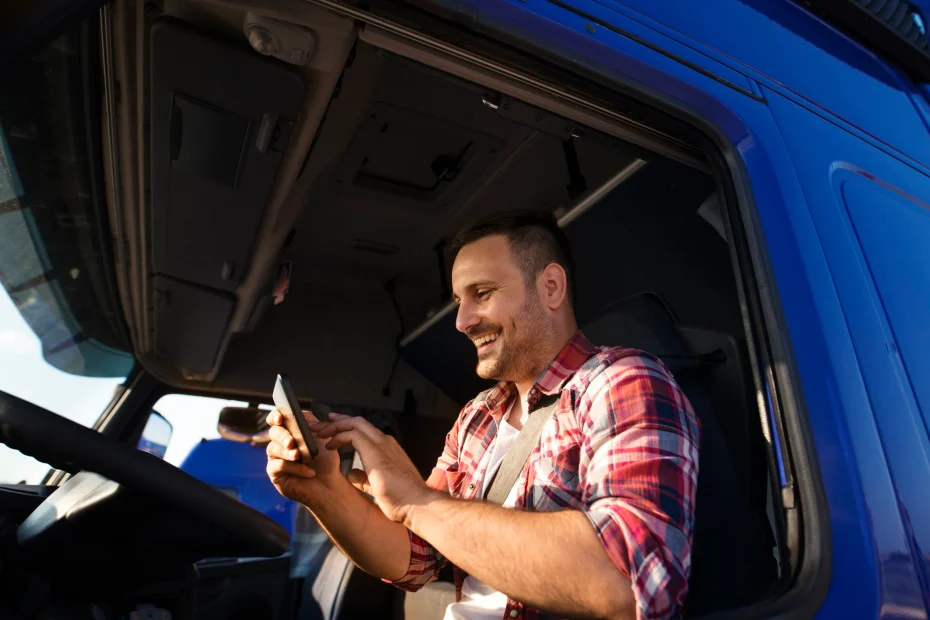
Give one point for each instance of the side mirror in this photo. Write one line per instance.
(156, 435)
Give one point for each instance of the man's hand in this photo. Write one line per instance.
(374, 543)
(391, 479)
(291, 477)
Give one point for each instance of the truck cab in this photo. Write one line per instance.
(197, 196)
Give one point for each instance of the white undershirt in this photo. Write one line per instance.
(479, 600)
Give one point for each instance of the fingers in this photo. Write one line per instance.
(355, 438)
(276, 450)
(277, 469)
(281, 436)
(359, 480)
(348, 423)
(276, 418)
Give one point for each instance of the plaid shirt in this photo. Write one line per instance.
(621, 446)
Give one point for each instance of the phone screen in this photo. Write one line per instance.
(286, 401)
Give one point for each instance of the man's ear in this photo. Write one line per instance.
(554, 283)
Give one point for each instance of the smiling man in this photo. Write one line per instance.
(600, 518)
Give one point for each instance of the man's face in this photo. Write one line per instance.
(503, 317)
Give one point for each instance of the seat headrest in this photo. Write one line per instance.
(641, 321)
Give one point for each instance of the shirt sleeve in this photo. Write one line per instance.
(425, 561)
(639, 477)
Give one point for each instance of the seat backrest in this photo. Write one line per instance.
(733, 562)
(728, 388)
(340, 591)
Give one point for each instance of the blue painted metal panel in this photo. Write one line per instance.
(893, 230)
(240, 466)
(848, 188)
(783, 44)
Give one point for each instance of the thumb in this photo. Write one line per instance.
(359, 480)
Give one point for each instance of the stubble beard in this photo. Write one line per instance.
(520, 349)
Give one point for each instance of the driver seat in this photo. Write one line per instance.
(731, 528)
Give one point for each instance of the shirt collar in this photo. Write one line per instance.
(572, 356)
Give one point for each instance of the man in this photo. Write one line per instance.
(600, 522)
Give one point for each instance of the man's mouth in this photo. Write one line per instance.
(484, 342)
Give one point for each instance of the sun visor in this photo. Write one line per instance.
(190, 323)
(221, 117)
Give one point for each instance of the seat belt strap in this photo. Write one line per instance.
(513, 464)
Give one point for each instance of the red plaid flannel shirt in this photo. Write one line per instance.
(621, 446)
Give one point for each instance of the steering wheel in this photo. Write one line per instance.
(71, 447)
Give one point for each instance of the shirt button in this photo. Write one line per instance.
(514, 613)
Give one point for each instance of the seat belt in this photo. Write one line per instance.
(506, 475)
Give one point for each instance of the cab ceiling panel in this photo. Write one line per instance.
(221, 117)
(417, 146)
(396, 182)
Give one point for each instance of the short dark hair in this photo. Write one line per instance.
(534, 239)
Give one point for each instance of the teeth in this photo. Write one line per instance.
(485, 339)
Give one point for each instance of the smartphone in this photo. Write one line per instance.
(286, 401)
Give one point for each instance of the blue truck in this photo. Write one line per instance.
(195, 197)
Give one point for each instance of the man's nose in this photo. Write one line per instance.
(466, 317)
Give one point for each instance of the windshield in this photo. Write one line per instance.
(61, 344)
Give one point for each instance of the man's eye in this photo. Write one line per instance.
(483, 294)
